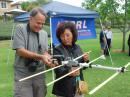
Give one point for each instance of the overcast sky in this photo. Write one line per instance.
(71, 2)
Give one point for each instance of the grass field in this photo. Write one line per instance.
(6, 28)
(118, 87)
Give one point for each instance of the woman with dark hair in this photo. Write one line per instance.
(67, 36)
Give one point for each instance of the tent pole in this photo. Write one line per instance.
(53, 77)
(12, 34)
(106, 44)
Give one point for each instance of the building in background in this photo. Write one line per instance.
(7, 5)
(16, 5)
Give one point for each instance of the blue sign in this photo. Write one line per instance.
(84, 26)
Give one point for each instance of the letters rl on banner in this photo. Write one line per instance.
(85, 27)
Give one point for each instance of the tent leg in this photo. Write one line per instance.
(8, 52)
(107, 44)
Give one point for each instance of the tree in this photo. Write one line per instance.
(125, 27)
(24, 5)
(109, 11)
(32, 5)
(106, 8)
(27, 6)
(42, 2)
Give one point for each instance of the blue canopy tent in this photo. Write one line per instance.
(22, 18)
(62, 12)
(61, 9)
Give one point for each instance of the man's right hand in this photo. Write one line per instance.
(47, 59)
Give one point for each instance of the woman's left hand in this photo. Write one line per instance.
(76, 73)
(86, 57)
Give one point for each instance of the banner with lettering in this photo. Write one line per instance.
(85, 27)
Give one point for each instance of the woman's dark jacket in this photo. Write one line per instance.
(67, 86)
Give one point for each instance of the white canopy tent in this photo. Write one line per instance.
(15, 11)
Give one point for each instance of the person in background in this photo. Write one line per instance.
(128, 41)
(67, 36)
(109, 40)
(103, 41)
(30, 43)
